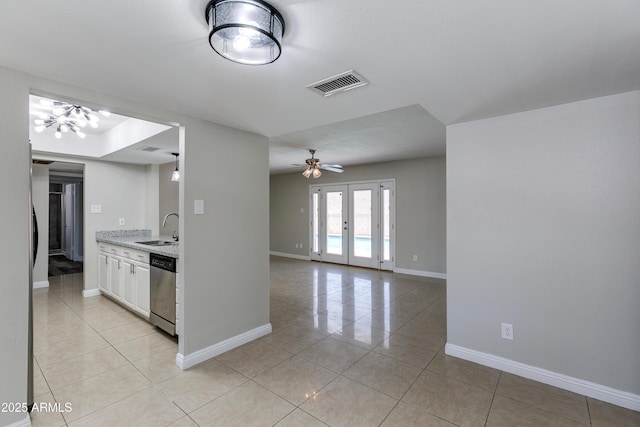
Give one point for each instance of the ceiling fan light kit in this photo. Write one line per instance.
(245, 31)
(314, 166)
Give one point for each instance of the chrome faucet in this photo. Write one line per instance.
(164, 223)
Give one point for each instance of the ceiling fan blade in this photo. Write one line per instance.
(330, 168)
(333, 166)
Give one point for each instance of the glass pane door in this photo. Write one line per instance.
(362, 223)
(387, 224)
(353, 224)
(315, 208)
(363, 234)
(336, 225)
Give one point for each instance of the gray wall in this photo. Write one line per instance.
(152, 198)
(222, 298)
(543, 214)
(226, 255)
(169, 197)
(420, 209)
(14, 255)
(40, 198)
(121, 190)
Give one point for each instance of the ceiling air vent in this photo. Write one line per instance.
(338, 83)
(148, 149)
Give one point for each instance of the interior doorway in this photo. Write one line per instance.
(353, 223)
(66, 252)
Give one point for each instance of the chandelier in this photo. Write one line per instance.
(67, 117)
(245, 31)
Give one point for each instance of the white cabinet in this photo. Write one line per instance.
(103, 273)
(128, 288)
(124, 275)
(115, 267)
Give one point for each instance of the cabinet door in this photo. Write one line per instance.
(116, 276)
(103, 273)
(142, 281)
(128, 283)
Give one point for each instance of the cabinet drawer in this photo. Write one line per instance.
(124, 252)
(104, 247)
(135, 255)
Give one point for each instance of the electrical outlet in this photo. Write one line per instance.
(507, 331)
(121, 221)
(301, 246)
(415, 258)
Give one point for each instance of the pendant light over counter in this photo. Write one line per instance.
(245, 31)
(175, 176)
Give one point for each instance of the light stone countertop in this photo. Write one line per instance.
(128, 238)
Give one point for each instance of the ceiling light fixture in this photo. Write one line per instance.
(175, 176)
(313, 171)
(66, 117)
(245, 31)
(313, 166)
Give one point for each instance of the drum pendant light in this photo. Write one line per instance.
(245, 31)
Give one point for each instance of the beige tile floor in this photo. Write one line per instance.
(350, 347)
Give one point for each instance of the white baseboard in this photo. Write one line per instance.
(576, 385)
(25, 422)
(91, 293)
(40, 285)
(282, 254)
(185, 362)
(421, 273)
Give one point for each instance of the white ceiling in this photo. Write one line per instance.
(430, 63)
(117, 138)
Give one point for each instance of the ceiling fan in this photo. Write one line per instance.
(313, 167)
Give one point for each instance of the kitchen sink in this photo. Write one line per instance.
(158, 243)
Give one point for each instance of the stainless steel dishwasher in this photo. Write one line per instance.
(163, 292)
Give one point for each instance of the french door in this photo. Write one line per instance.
(353, 223)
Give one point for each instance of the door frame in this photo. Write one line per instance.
(69, 221)
(320, 254)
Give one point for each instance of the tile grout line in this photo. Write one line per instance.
(151, 384)
(493, 396)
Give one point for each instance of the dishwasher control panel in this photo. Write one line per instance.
(162, 262)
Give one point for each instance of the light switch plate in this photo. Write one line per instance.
(198, 207)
